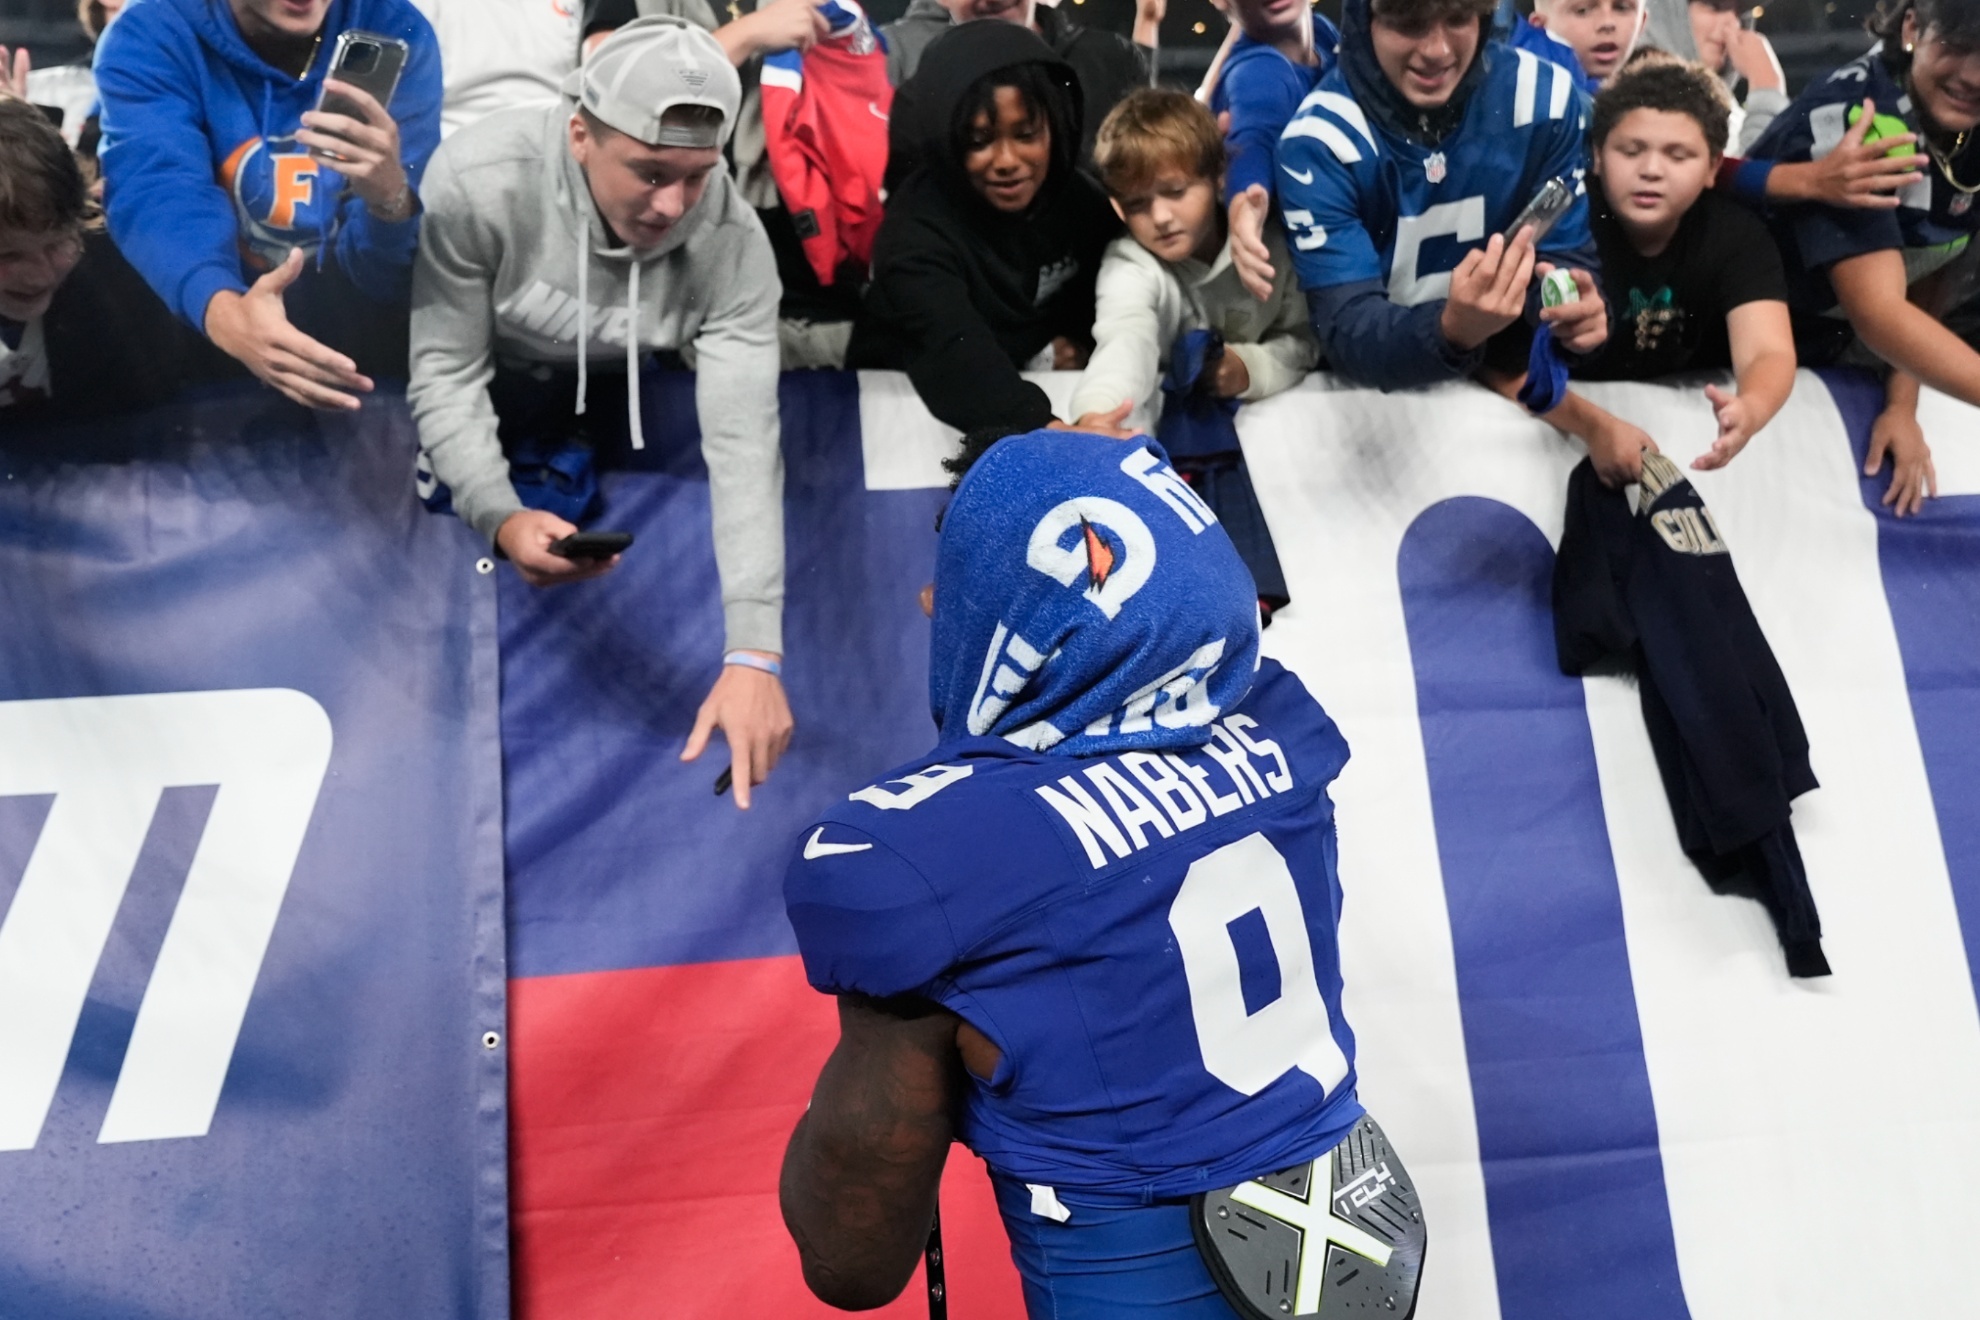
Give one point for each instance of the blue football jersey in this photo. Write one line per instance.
(1148, 937)
(1933, 220)
(1362, 203)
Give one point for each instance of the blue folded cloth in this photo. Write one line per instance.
(1546, 374)
(1195, 423)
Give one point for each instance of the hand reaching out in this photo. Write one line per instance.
(1250, 211)
(253, 327)
(1896, 433)
(1735, 416)
(1099, 423)
(749, 707)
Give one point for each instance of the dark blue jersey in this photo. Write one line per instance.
(1933, 219)
(1148, 937)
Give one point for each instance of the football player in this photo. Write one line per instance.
(1092, 933)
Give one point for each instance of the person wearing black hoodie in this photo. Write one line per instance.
(986, 260)
(1108, 65)
(1400, 180)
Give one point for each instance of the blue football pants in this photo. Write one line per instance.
(1108, 1264)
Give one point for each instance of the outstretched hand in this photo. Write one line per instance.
(749, 707)
(1109, 423)
(253, 328)
(1735, 418)
(1249, 212)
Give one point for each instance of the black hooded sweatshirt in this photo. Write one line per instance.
(964, 294)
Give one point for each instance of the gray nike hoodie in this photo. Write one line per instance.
(515, 265)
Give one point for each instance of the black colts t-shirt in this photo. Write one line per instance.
(1667, 313)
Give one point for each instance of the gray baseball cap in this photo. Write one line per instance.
(650, 66)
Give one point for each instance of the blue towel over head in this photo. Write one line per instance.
(1086, 601)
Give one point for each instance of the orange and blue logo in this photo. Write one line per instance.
(283, 197)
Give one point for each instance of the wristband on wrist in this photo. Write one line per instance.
(749, 660)
(400, 209)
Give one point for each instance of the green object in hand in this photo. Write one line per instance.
(1883, 126)
(1557, 287)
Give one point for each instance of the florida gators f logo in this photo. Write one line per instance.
(281, 196)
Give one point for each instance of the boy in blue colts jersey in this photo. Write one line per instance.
(1092, 933)
(1400, 176)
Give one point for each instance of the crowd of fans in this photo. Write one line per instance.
(545, 198)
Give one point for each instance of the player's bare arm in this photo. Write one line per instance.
(865, 1162)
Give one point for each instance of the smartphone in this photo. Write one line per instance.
(1548, 205)
(591, 545)
(365, 60)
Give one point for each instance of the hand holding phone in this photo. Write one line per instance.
(591, 545)
(352, 131)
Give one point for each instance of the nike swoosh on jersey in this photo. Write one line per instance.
(813, 849)
(1307, 177)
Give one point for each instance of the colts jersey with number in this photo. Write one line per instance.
(1363, 203)
(1149, 938)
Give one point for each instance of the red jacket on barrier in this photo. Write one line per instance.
(825, 127)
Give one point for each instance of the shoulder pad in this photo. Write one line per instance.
(866, 921)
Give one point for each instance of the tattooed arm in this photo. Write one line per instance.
(865, 1162)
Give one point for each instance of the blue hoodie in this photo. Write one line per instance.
(206, 187)
(1262, 89)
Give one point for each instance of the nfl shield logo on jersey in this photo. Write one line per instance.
(1341, 1235)
(1434, 167)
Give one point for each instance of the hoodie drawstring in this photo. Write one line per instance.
(634, 424)
(584, 312)
(635, 427)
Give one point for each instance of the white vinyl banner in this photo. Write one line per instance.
(1810, 1149)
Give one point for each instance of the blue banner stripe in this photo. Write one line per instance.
(1566, 1131)
(1934, 594)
